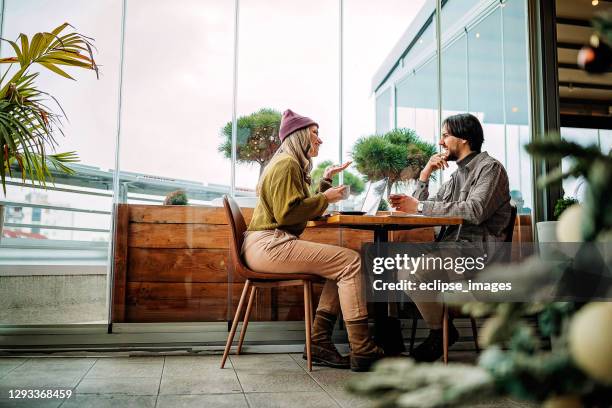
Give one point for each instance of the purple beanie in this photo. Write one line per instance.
(291, 121)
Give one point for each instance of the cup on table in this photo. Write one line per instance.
(347, 192)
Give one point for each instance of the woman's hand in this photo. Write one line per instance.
(334, 194)
(331, 171)
(402, 202)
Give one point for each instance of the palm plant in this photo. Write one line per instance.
(27, 124)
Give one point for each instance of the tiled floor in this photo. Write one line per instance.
(255, 380)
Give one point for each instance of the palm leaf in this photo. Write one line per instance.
(27, 125)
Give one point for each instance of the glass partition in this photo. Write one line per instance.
(166, 91)
(177, 97)
(55, 241)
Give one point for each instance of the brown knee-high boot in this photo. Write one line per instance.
(364, 352)
(322, 348)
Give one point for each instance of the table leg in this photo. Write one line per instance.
(387, 329)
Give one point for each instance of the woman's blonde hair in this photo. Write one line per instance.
(296, 145)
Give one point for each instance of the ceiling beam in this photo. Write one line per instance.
(582, 101)
(573, 21)
(585, 85)
(569, 46)
(586, 122)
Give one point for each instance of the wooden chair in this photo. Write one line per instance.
(260, 280)
(504, 255)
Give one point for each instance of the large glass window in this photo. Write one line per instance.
(384, 111)
(576, 187)
(54, 249)
(364, 51)
(485, 72)
(177, 98)
(289, 60)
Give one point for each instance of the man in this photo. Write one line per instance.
(477, 192)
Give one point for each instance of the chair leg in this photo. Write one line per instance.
(307, 321)
(445, 334)
(475, 334)
(312, 306)
(230, 337)
(245, 322)
(415, 322)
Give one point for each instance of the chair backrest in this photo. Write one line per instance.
(504, 253)
(509, 231)
(238, 227)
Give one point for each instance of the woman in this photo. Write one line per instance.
(272, 242)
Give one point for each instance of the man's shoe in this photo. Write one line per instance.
(433, 347)
(327, 355)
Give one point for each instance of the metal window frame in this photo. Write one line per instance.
(544, 103)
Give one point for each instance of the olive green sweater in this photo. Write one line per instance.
(285, 201)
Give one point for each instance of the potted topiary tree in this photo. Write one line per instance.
(257, 137)
(27, 125)
(399, 155)
(547, 230)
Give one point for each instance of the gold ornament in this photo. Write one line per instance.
(565, 401)
(590, 340)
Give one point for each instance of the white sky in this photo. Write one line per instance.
(178, 74)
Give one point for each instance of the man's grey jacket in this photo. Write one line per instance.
(479, 193)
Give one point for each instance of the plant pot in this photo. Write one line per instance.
(547, 231)
(547, 236)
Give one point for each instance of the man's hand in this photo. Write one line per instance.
(402, 202)
(331, 171)
(334, 194)
(436, 162)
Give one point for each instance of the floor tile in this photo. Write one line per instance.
(38, 363)
(282, 382)
(304, 364)
(199, 401)
(126, 367)
(189, 366)
(110, 401)
(265, 363)
(8, 364)
(333, 381)
(119, 385)
(30, 403)
(213, 382)
(38, 381)
(318, 399)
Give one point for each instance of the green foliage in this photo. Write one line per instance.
(356, 183)
(178, 197)
(602, 23)
(562, 204)
(589, 163)
(516, 362)
(399, 155)
(256, 136)
(27, 124)
(383, 206)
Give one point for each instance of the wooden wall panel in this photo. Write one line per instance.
(177, 265)
(289, 302)
(180, 214)
(178, 236)
(171, 265)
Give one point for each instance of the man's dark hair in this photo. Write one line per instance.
(466, 126)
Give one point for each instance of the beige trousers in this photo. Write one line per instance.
(277, 251)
